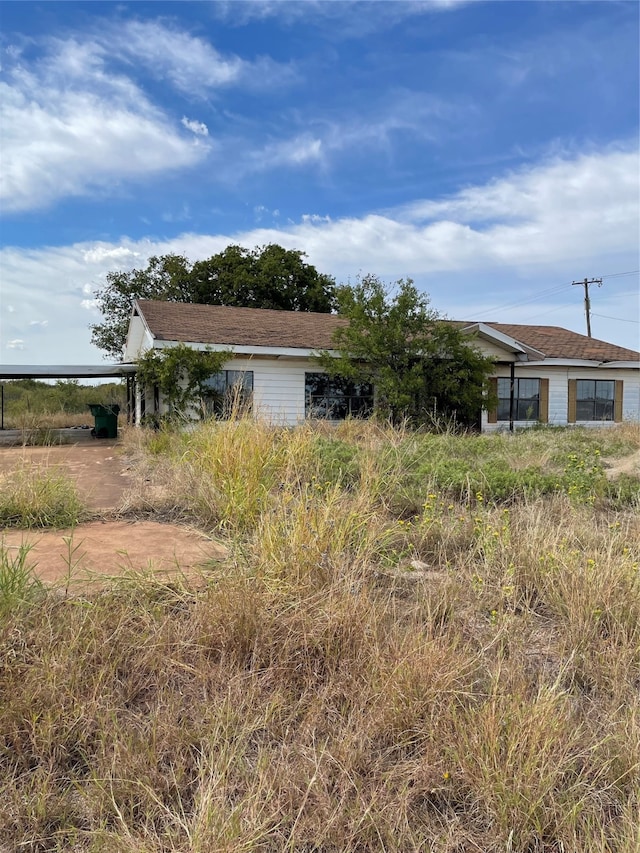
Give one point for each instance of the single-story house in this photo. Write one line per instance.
(543, 374)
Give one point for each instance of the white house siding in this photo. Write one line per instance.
(278, 387)
(491, 350)
(559, 392)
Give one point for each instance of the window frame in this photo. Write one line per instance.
(228, 396)
(594, 401)
(503, 416)
(337, 404)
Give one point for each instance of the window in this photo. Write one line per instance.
(526, 399)
(336, 399)
(595, 399)
(228, 391)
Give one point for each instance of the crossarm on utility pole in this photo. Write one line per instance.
(587, 301)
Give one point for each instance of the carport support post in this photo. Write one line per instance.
(131, 401)
(512, 388)
(1, 406)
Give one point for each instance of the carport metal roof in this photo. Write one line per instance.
(64, 371)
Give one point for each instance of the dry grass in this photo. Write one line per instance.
(32, 496)
(318, 694)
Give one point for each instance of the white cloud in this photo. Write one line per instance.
(299, 151)
(16, 343)
(488, 246)
(42, 323)
(345, 17)
(191, 64)
(69, 128)
(197, 127)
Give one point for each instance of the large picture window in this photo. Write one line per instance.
(336, 399)
(595, 399)
(228, 391)
(526, 399)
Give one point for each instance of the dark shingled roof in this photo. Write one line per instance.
(556, 342)
(260, 327)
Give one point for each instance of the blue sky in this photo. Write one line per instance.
(488, 150)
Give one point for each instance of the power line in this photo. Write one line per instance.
(620, 319)
(620, 274)
(552, 310)
(535, 298)
(547, 292)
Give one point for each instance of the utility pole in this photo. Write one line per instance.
(587, 302)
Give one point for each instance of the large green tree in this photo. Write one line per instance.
(264, 277)
(419, 363)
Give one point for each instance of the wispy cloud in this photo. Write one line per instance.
(76, 120)
(354, 17)
(71, 127)
(197, 127)
(190, 63)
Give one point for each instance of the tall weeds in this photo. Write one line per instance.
(372, 670)
(38, 497)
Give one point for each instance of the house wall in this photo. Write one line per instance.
(278, 387)
(559, 392)
(279, 382)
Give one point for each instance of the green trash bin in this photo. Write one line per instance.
(106, 420)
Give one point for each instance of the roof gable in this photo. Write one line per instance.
(556, 342)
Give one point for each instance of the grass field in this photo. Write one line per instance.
(418, 643)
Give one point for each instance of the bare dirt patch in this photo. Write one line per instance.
(100, 472)
(99, 548)
(629, 465)
(107, 546)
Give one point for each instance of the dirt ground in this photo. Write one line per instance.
(629, 465)
(105, 546)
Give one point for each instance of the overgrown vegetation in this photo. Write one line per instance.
(421, 366)
(32, 405)
(180, 374)
(38, 497)
(395, 657)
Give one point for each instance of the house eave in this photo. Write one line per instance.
(524, 353)
(583, 362)
(257, 351)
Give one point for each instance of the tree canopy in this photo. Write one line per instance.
(419, 363)
(263, 277)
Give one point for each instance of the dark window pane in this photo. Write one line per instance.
(503, 410)
(528, 388)
(585, 389)
(604, 410)
(503, 387)
(526, 394)
(217, 382)
(228, 391)
(584, 410)
(605, 389)
(595, 399)
(334, 398)
(528, 410)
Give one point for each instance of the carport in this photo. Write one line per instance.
(70, 371)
